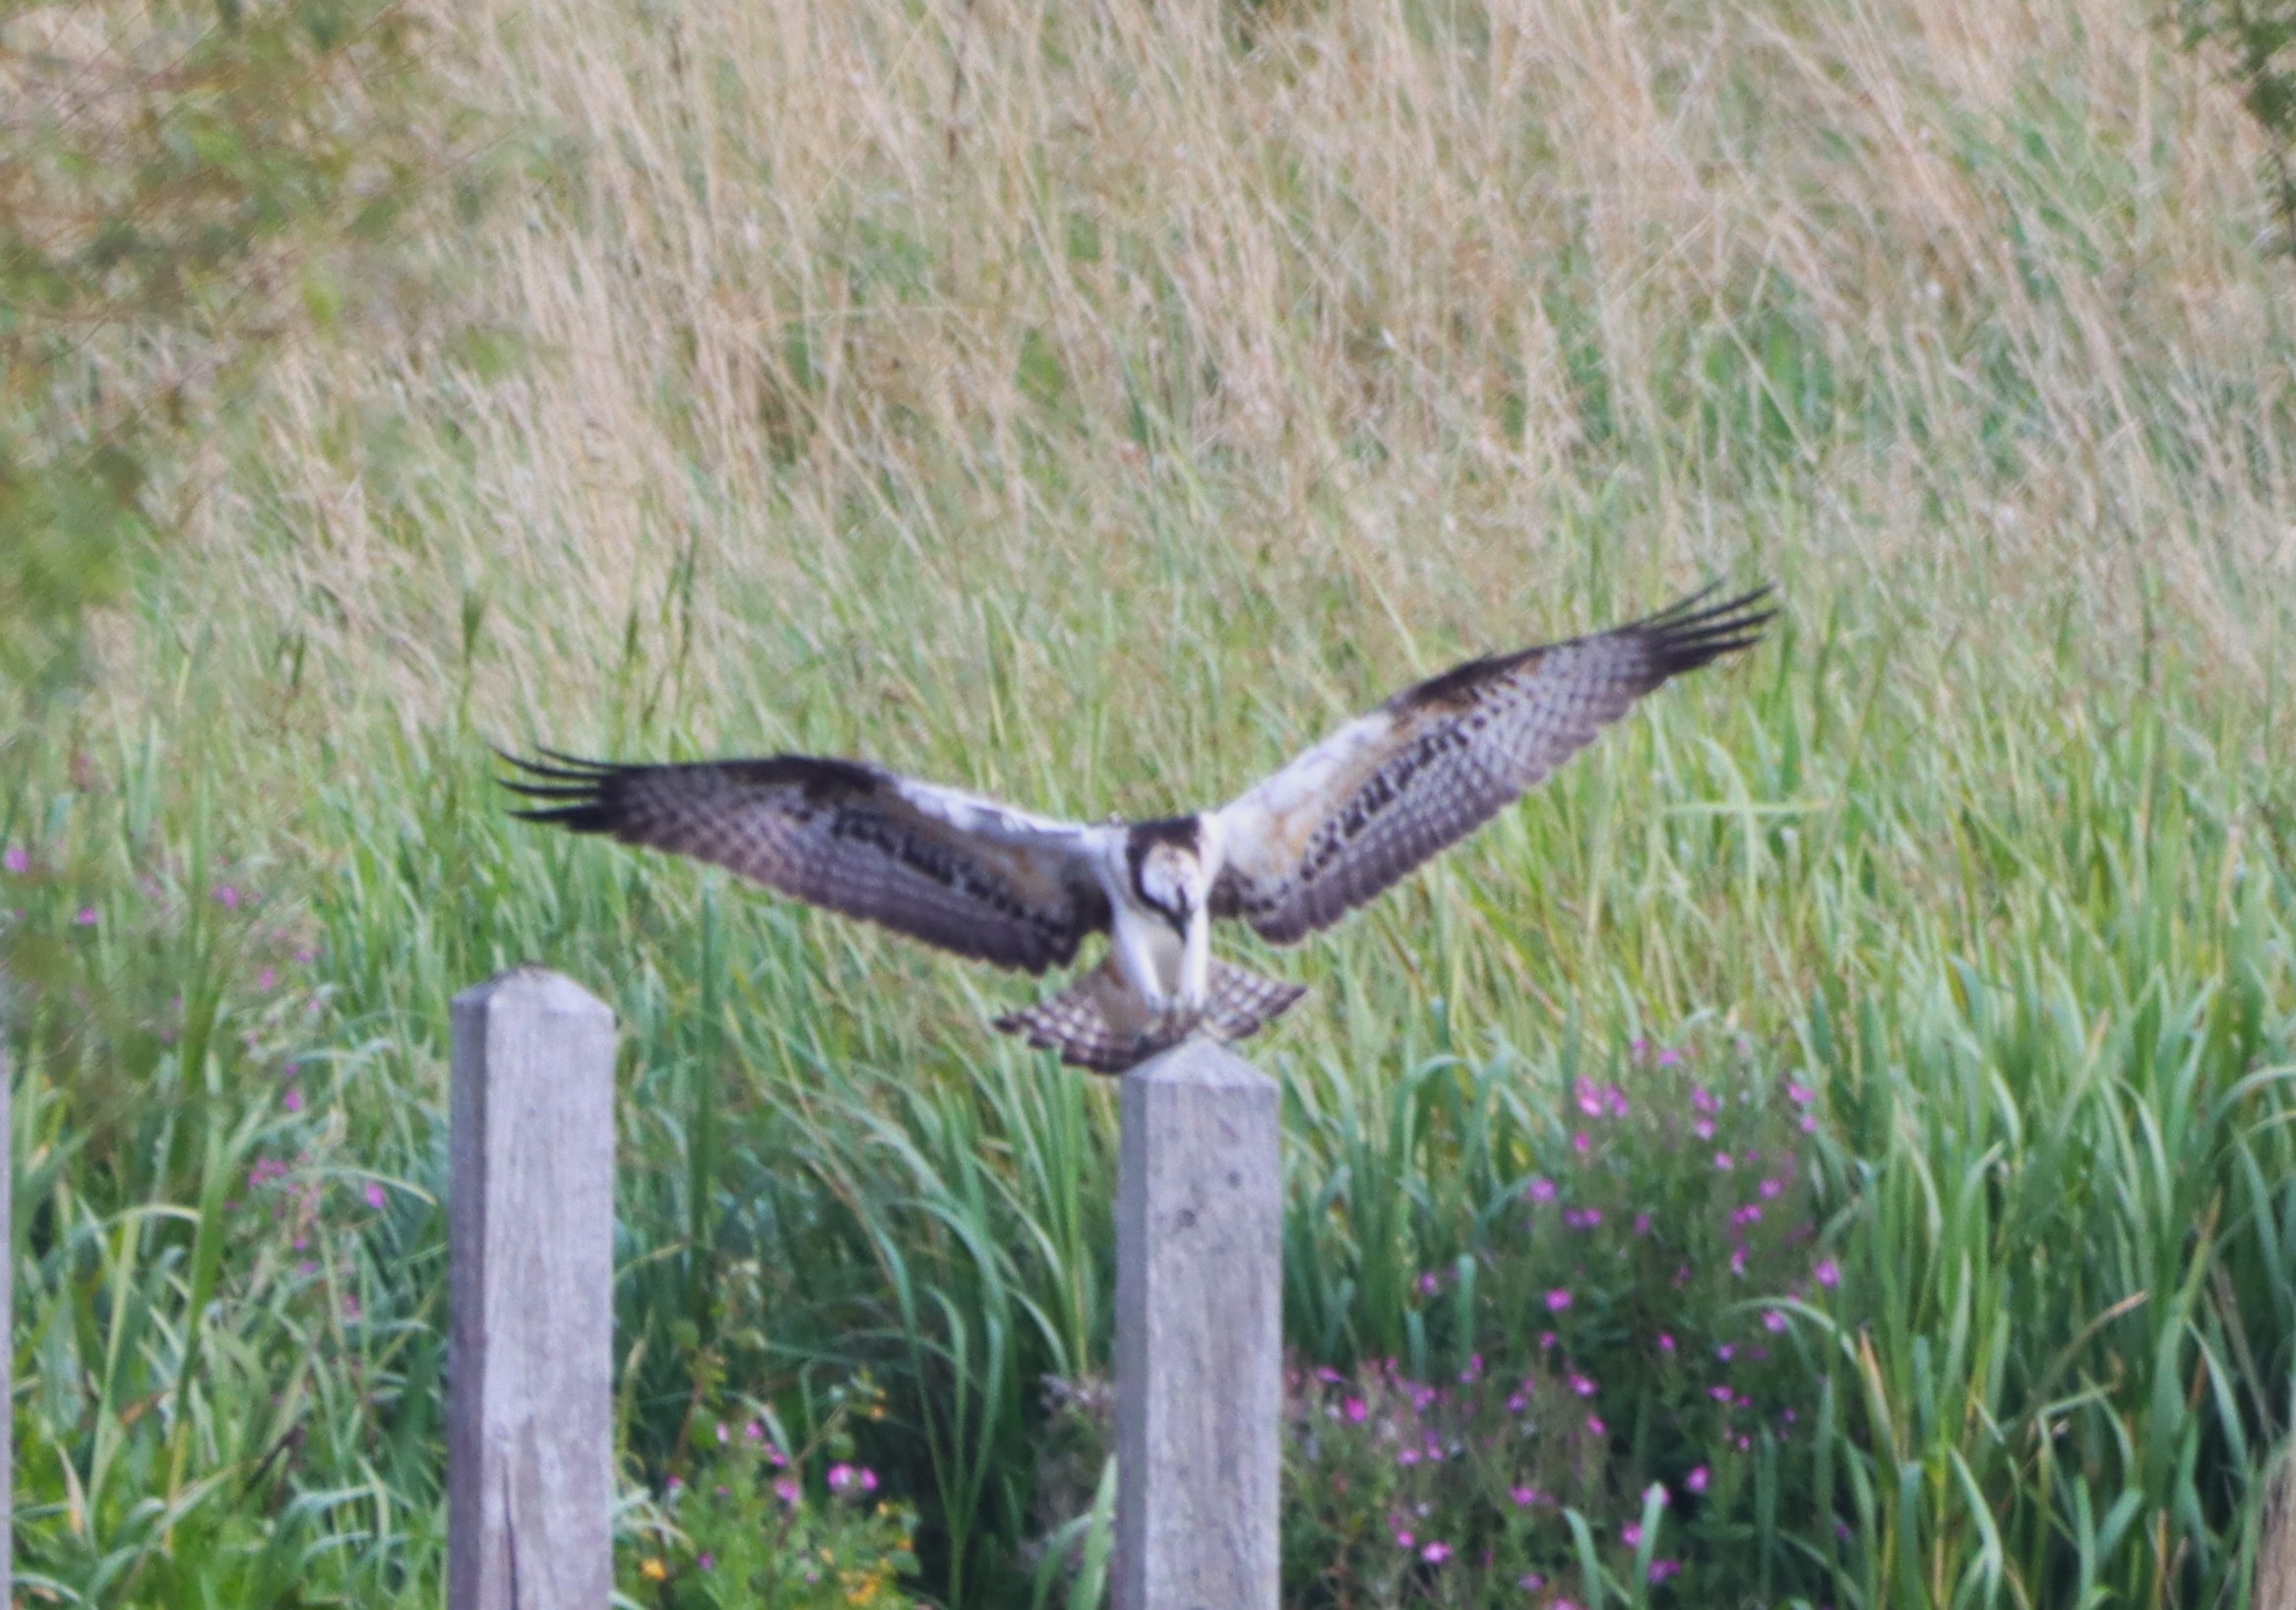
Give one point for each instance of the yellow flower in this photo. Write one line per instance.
(653, 1570)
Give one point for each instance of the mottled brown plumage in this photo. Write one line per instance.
(1292, 854)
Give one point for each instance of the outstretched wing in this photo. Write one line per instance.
(1434, 762)
(950, 868)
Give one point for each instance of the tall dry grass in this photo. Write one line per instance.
(1387, 326)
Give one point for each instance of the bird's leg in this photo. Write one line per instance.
(1196, 962)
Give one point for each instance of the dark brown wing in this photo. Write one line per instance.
(1437, 760)
(950, 868)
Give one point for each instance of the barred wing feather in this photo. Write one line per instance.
(1352, 815)
(950, 868)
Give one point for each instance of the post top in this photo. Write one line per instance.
(1202, 1062)
(536, 988)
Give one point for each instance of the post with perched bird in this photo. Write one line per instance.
(1199, 1334)
(530, 1279)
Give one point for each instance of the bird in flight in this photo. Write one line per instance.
(1292, 854)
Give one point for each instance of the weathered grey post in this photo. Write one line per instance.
(529, 1450)
(1199, 1334)
(7, 1329)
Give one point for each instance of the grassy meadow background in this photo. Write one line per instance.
(1093, 403)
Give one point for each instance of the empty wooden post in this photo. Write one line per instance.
(529, 1437)
(1199, 1334)
(7, 1329)
(2275, 1567)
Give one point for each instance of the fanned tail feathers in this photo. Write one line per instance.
(1244, 1002)
(1089, 1026)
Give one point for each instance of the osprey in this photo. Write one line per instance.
(1290, 855)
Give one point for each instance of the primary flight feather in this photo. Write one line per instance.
(1290, 855)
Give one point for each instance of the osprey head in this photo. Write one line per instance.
(1169, 870)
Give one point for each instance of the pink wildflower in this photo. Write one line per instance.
(1773, 1321)
(1703, 1102)
(1827, 1273)
(1558, 1300)
(1738, 1263)
(706, 1561)
(1524, 1497)
(293, 1100)
(1580, 1143)
(1725, 1351)
(1404, 1539)
(1630, 1534)
(1665, 1341)
(1771, 1188)
(1595, 1425)
(785, 1489)
(84, 917)
(1696, 1481)
(1590, 1102)
(18, 861)
(268, 979)
(1663, 1570)
(1356, 1410)
(1531, 1582)
(1435, 1553)
(1542, 1189)
(1642, 1225)
(375, 1197)
(1428, 1282)
(1669, 1057)
(1800, 1094)
(227, 898)
(1581, 1385)
(1722, 1160)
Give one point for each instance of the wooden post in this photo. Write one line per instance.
(1199, 1334)
(530, 1439)
(2275, 1567)
(7, 1329)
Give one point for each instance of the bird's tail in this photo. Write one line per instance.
(1086, 1023)
(1244, 1002)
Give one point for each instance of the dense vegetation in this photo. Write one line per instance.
(1091, 404)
